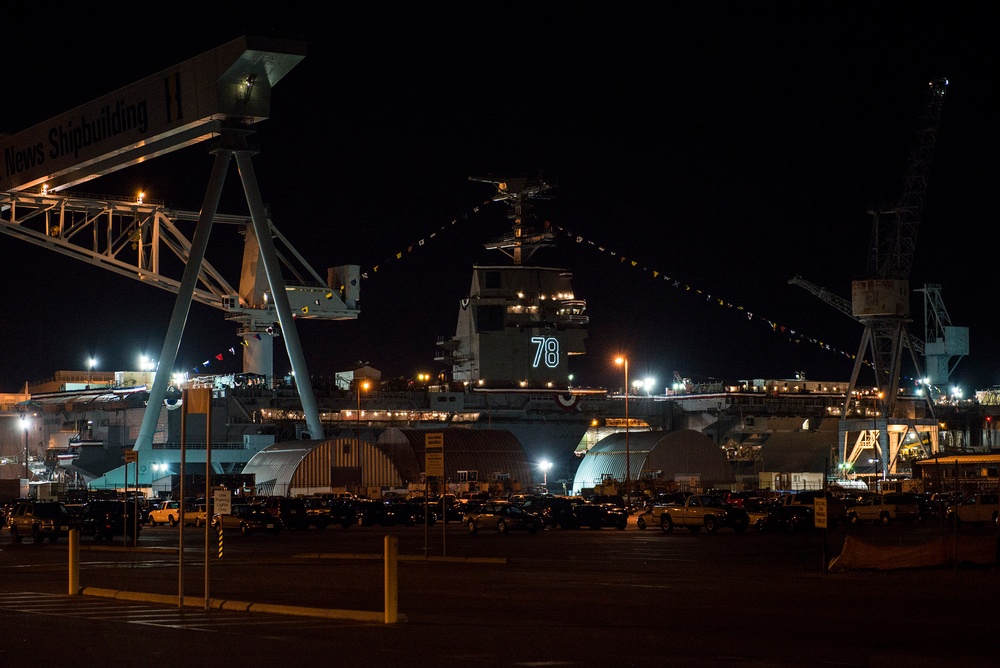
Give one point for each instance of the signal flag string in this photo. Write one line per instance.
(422, 242)
(791, 334)
(794, 336)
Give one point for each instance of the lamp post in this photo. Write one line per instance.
(24, 425)
(363, 385)
(628, 473)
(545, 466)
(91, 363)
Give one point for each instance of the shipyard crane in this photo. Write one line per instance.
(215, 98)
(881, 302)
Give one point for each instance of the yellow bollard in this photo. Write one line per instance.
(391, 580)
(74, 562)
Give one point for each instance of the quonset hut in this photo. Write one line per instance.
(687, 459)
(472, 457)
(492, 456)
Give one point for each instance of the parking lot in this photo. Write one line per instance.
(557, 597)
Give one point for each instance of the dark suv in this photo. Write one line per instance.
(598, 515)
(555, 511)
(105, 519)
(41, 520)
(323, 512)
(291, 511)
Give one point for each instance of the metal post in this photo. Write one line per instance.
(74, 562)
(24, 423)
(391, 604)
(180, 505)
(628, 471)
(208, 486)
(357, 442)
(623, 360)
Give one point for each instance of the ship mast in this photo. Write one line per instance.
(525, 237)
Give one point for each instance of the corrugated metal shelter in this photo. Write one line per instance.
(486, 451)
(799, 451)
(655, 455)
(315, 466)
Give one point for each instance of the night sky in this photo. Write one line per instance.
(728, 147)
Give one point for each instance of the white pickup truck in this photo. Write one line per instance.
(697, 511)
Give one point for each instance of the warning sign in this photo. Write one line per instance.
(434, 454)
(819, 513)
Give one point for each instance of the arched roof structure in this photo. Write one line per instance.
(309, 466)
(487, 451)
(666, 456)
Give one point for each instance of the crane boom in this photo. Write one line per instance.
(842, 305)
(220, 96)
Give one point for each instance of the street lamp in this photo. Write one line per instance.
(24, 425)
(623, 361)
(91, 363)
(361, 386)
(545, 466)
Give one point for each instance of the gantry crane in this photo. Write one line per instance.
(945, 345)
(881, 301)
(217, 98)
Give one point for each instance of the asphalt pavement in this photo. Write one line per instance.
(558, 598)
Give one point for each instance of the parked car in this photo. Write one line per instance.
(104, 519)
(247, 519)
(317, 511)
(290, 511)
(555, 511)
(342, 511)
(446, 507)
(940, 502)
(504, 517)
(757, 508)
(654, 508)
(700, 511)
(370, 512)
(977, 509)
(409, 513)
(885, 508)
(41, 520)
(167, 512)
(794, 512)
(598, 515)
(196, 515)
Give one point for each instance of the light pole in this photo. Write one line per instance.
(24, 425)
(90, 369)
(628, 473)
(545, 466)
(361, 386)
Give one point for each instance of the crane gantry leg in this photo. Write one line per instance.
(233, 144)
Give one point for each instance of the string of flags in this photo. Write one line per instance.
(398, 256)
(791, 334)
(220, 356)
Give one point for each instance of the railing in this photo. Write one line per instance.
(231, 445)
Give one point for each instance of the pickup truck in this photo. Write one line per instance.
(697, 511)
(977, 509)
